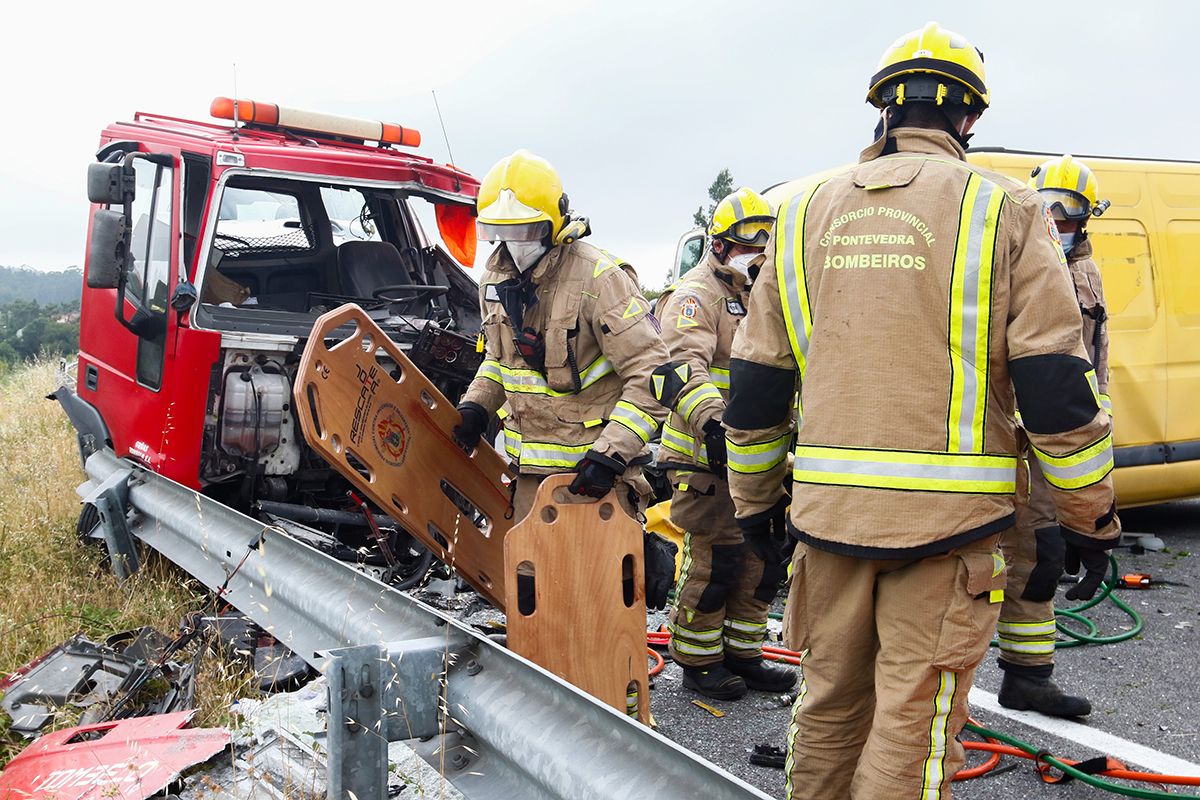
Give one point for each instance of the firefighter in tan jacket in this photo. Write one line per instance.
(719, 618)
(569, 347)
(1034, 549)
(906, 298)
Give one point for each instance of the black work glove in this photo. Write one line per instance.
(1051, 557)
(658, 556)
(1092, 554)
(596, 474)
(714, 444)
(766, 533)
(474, 423)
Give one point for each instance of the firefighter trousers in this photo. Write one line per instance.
(1026, 629)
(723, 593)
(892, 651)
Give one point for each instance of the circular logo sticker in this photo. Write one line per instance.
(390, 433)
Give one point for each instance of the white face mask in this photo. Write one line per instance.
(1068, 242)
(525, 254)
(741, 263)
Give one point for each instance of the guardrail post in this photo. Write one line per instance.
(357, 762)
(111, 498)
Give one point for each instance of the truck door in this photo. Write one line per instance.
(122, 373)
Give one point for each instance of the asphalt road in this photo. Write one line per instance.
(1143, 690)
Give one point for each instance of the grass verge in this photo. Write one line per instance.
(52, 585)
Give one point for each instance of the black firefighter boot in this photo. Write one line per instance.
(713, 680)
(1029, 688)
(761, 676)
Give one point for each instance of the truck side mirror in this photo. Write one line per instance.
(108, 250)
(108, 183)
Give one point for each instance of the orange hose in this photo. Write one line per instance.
(998, 750)
(966, 773)
(659, 663)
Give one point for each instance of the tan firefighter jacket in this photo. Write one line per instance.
(907, 297)
(601, 343)
(699, 315)
(1089, 291)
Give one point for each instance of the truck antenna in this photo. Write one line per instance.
(443, 124)
(235, 102)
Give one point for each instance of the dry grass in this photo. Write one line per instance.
(51, 586)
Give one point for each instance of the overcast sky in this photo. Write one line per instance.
(638, 104)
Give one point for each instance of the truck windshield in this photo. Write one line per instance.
(284, 250)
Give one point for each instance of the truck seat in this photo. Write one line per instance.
(364, 267)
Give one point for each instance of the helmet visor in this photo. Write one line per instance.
(753, 232)
(1065, 204)
(521, 232)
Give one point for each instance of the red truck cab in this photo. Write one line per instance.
(213, 247)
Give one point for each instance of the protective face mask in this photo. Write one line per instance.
(741, 263)
(525, 254)
(1068, 242)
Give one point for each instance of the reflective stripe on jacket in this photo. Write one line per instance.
(601, 344)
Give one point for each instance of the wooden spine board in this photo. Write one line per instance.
(479, 476)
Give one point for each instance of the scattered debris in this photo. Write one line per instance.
(766, 755)
(1135, 580)
(716, 712)
(275, 666)
(281, 755)
(130, 675)
(131, 758)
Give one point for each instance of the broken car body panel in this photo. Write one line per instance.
(132, 758)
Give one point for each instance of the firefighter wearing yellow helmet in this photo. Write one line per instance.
(569, 345)
(1034, 549)
(909, 300)
(719, 617)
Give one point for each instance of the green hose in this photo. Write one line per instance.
(1091, 633)
(1090, 780)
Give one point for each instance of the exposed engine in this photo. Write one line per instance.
(256, 460)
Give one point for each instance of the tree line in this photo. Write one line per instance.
(29, 329)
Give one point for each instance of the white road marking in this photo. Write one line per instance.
(1106, 743)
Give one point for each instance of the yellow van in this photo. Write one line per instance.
(1147, 245)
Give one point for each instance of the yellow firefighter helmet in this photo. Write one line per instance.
(937, 66)
(521, 199)
(744, 217)
(1068, 187)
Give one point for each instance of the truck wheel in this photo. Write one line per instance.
(89, 518)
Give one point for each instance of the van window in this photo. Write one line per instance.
(1122, 252)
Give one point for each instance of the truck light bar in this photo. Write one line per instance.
(270, 114)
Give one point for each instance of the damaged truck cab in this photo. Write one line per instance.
(212, 248)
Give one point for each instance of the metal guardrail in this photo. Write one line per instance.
(506, 729)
